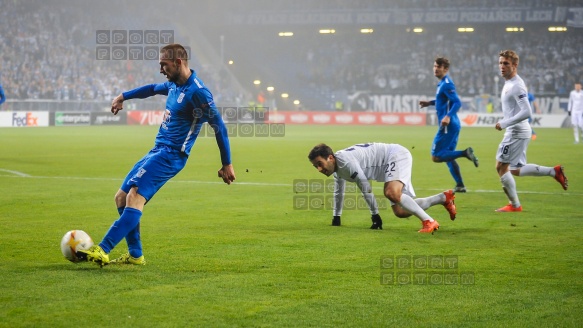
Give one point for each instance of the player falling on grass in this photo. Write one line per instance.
(188, 106)
(511, 155)
(447, 103)
(388, 163)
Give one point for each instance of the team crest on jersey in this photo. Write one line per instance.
(180, 97)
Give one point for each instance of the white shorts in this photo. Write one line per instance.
(577, 119)
(512, 151)
(399, 169)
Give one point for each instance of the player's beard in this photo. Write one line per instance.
(174, 76)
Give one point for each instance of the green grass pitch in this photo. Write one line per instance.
(243, 256)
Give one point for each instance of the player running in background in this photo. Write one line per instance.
(2, 95)
(447, 103)
(388, 163)
(534, 107)
(188, 106)
(576, 110)
(511, 155)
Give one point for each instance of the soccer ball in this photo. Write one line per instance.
(73, 241)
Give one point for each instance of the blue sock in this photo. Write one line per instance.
(450, 155)
(133, 238)
(134, 242)
(454, 169)
(127, 222)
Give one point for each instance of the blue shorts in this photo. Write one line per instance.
(154, 170)
(445, 141)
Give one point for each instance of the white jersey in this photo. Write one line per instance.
(576, 101)
(361, 163)
(516, 109)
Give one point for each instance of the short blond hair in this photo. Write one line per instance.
(510, 54)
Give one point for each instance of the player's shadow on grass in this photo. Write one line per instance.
(86, 267)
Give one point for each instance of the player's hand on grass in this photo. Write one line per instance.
(227, 173)
(117, 104)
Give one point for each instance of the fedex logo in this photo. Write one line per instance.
(24, 119)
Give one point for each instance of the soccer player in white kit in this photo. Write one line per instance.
(576, 110)
(511, 155)
(388, 163)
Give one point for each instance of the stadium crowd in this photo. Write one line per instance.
(48, 51)
(402, 62)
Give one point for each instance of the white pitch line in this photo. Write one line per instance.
(20, 174)
(266, 184)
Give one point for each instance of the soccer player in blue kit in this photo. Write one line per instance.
(188, 106)
(447, 103)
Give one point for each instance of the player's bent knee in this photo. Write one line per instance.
(120, 197)
(393, 197)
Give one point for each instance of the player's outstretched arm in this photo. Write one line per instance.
(227, 173)
(117, 104)
(424, 103)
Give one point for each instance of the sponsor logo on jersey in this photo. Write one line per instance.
(166, 119)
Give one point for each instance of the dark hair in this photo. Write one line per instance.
(322, 150)
(442, 61)
(175, 51)
(510, 54)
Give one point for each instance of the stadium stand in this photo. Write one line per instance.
(49, 51)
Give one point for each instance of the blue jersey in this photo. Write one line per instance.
(2, 96)
(188, 106)
(447, 101)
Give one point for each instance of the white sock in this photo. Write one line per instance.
(576, 133)
(509, 186)
(536, 170)
(427, 202)
(412, 207)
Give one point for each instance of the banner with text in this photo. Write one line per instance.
(350, 118)
(145, 117)
(405, 16)
(490, 120)
(362, 101)
(24, 119)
